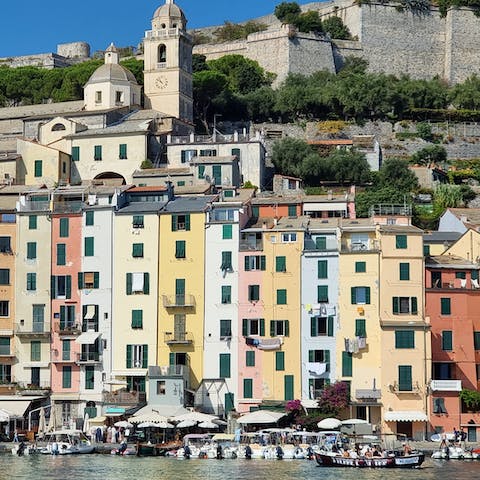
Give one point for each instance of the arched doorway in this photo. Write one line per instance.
(111, 178)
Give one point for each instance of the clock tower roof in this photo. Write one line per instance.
(171, 11)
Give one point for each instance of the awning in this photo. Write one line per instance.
(115, 412)
(87, 338)
(14, 408)
(90, 313)
(97, 420)
(406, 416)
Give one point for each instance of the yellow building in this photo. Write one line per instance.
(181, 274)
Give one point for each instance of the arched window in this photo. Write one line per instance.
(163, 25)
(58, 127)
(162, 53)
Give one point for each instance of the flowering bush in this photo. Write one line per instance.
(294, 406)
(334, 398)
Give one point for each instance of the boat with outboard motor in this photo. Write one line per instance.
(67, 442)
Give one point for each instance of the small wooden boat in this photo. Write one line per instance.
(391, 461)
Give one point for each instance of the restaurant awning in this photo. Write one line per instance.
(115, 411)
(406, 416)
(88, 338)
(90, 313)
(14, 408)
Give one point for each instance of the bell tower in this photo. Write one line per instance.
(168, 63)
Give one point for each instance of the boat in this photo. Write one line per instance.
(67, 442)
(392, 460)
(455, 452)
(22, 448)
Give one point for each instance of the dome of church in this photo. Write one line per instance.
(112, 72)
(170, 10)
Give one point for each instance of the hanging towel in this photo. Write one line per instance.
(355, 347)
(316, 368)
(362, 342)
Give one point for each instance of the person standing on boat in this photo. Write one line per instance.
(463, 437)
(407, 449)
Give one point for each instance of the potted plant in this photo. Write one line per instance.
(471, 399)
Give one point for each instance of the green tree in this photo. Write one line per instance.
(199, 63)
(335, 27)
(349, 166)
(424, 131)
(448, 196)
(430, 154)
(260, 104)
(286, 11)
(374, 196)
(395, 173)
(288, 155)
(308, 22)
(467, 94)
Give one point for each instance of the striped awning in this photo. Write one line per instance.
(406, 416)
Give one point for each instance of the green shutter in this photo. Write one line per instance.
(89, 377)
(217, 174)
(445, 306)
(288, 387)
(171, 358)
(66, 349)
(360, 267)
(280, 264)
(146, 283)
(245, 327)
(68, 286)
(255, 211)
(281, 296)
(32, 222)
(247, 388)
(227, 232)
(63, 310)
(89, 246)
(180, 286)
(145, 356)
(229, 402)
(187, 222)
(250, 358)
(360, 327)
(322, 269)
(61, 254)
(67, 377)
(31, 281)
(262, 327)
(226, 261)
(401, 241)
(474, 274)
(313, 327)
(330, 326)
(137, 250)
(122, 151)
(174, 223)
(64, 227)
(326, 358)
(395, 305)
(38, 170)
(321, 243)
(53, 287)
(286, 327)
(75, 154)
(404, 271)
(476, 340)
(414, 306)
(353, 295)
(447, 340)
(279, 361)
(180, 250)
(262, 262)
(367, 295)
(347, 364)
(137, 318)
(129, 356)
(322, 294)
(97, 152)
(224, 365)
(35, 351)
(129, 283)
(272, 328)
(31, 250)
(201, 171)
(247, 263)
(80, 280)
(311, 355)
(405, 378)
(236, 153)
(89, 218)
(292, 210)
(404, 339)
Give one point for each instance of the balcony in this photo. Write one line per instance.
(414, 388)
(179, 338)
(251, 245)
(122, 397)
(365, 395)
(446, 385)
(68, 207)
(371, 246)
(178, 301)
(67, 328)
(6, 353)
(34, 330)
(32, 206)
(89, 358)
(456, 285)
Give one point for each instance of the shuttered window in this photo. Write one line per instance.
(137, 250)
(405, 378)
(404, 339)
(360, 267)
(122, 151)
(404, 271)
(288, 381)
(32, 222)
(226, 294)
(31, 281)
(281, 264)
(250, 358)
(476, 340)
(322, 294)
(67, 376)
(401, 241)
(35, 351)
(224, 365)
(292, 210)
(180, 249)
(64, 227)
(89, 377)
(89, 218)
(38, 168)
(360, 295)
(322, 269)
(346, 364)
(227, 232)
(97, 152)
(247, 388)
(281, 296)
(279, 361)
(321, 243)
(137, 318)
(360, 328)
(447, 340)
(253, 293)
(445, 306)
(61, 254)
(75, 154)
(89, 246)
(31, 250)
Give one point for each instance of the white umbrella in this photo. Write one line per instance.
(353, 421)
(207, 425)
(155, 425)
(86, 424)
(329, 423)
(123, 424)
(41, 422)
(195, 417)
(186, 424)
(261, 416)
(148, 417)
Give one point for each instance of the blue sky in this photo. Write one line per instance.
(37, 26)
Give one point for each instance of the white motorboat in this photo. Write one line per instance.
(67, 442)
(22, 448)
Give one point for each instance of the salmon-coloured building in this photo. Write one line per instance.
(452, 299)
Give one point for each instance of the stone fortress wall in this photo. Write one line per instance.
(394, 42)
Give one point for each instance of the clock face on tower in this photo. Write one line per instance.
(161, 82)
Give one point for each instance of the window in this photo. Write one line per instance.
(226, 265)
(97, 152)
(224, 360)
(442, 371)
(226, 294)
(137, 318)
(31, 281)
(247, 388)
(35, 376)
(279, 361)
(292, 210)
(38, 169)
(347, 364)
(476, 340)
(225, 329)
(67, 376)
(35, 351)
(426, 250)
(360, 267)
(162, 53)
(137, 250)
(137, 356)
(254, 262)
(4, 276)
(4, 308)
(360, 295)
(180, 249)
(402, 305)
(445, 306)
(32, 222)
(98, 96)
(289, 237)
(208, 153)
(288, 387)
(67, 317)
(281, 296)
(401, 241)
(447, 340)
(89, 377)
(222, 215)
(439, 405)
(201, 172)
(31, 250)
(461, 275)
(138, 282)
(187, 155)
(321, 243)
(217, 174)
(360, 328)
(227, 232)
(61, 286)
(61, 254)
(88, 280)
(122, 151)
(5, 245)
(321, 326)
(279, 328)
(89, 218)
(320, 356)
(405, 378)
(75, 154)
(404, 271)
(180, 222)
(38, 316)
(180, 291)
(253, 293)
(404, 339)
(250, 358)
(236, 153)
(4, 345)
(5, 373)
(64, 227)
(253, 326)
(322, 293)
(281, 264)
(137, 221)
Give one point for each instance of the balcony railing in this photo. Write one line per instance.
(251, 245)
(366, 394)
(67, 207)
(89, 357)
(178, 301)
(123, 397)
(35, 329)
(446, 385)
(66, 328)
(179, 338)
(30, 206)
(360, 247)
